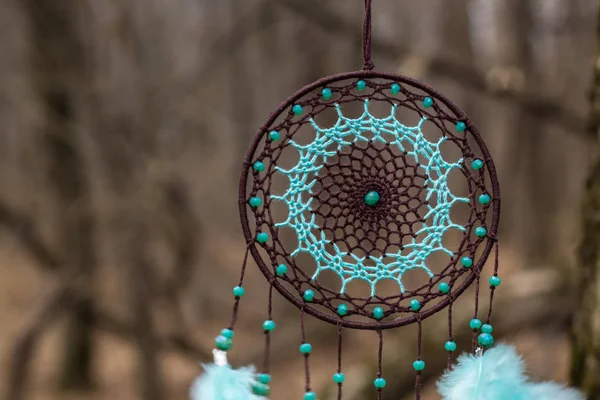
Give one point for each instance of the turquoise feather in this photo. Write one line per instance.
(225, 383)
(552, 391)
(497, 375)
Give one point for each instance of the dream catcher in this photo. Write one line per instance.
(370, 201)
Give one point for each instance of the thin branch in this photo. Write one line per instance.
(177, 342)
(63, 298)
(470, 78)
(59, 301)
(230, 41)
(25, 230)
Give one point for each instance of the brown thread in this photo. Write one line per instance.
(267, 355)
(418, 373)
(339, 350)
(236, 303)
(450, 335)
(306, 364)
(366, 42)
(380, 362)
(493, 288)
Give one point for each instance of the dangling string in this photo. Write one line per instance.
(493, 287)
(236, 304)
(366, 42)
(476, 312)
(268, 332)
(305, 349)
(419, 345)
(450, 350)
(339, 369)
(380, 362)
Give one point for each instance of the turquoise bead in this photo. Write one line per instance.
(460, 126)
(450, 346)
(427, 102)
(481, 231)
(269, 325)
(361, 85)
(281, 269)
(310, 396)
(415, 305)
(326, 93)
(342, 310)
(372, 198)
(379, 383)
(308, 295)
(444, 287)
(255, 202)
(238, 291)
(339, 377)
(485, 340)
(262, 237)
(274, 135)
(487, 328)
(419, 365)
(378, 312)
(484, 199)
(467, 262)
(261, 389)
(395, 89)
(223, 343)
(264, 378)
(495, 281)
(259, 166)
(297, 109)
(228, 333)
(477, 164)
(305, 348)
(475, 323)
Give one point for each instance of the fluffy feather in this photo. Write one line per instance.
(552, 391)
(224, 383)
(497, 375)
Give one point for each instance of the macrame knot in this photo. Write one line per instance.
(369, 66)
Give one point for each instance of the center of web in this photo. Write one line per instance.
(373, 211)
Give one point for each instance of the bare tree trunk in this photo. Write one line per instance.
(242, 96)
(58, 69)
(140, 285)
(585, 367)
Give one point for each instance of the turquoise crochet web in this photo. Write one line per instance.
(313, 240)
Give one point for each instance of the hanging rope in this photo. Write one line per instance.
(366, 42)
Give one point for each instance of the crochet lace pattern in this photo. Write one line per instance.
(432, 177)
(369, 194)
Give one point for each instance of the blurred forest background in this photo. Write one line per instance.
(123, 128)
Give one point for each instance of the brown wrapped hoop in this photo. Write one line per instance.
(394, 178)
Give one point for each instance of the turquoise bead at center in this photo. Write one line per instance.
(372, 198)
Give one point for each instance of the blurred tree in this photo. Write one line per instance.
(58, 70)
(585, 368)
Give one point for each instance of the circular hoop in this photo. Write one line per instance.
(327, 308)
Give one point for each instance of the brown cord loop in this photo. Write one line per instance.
(366, 43)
